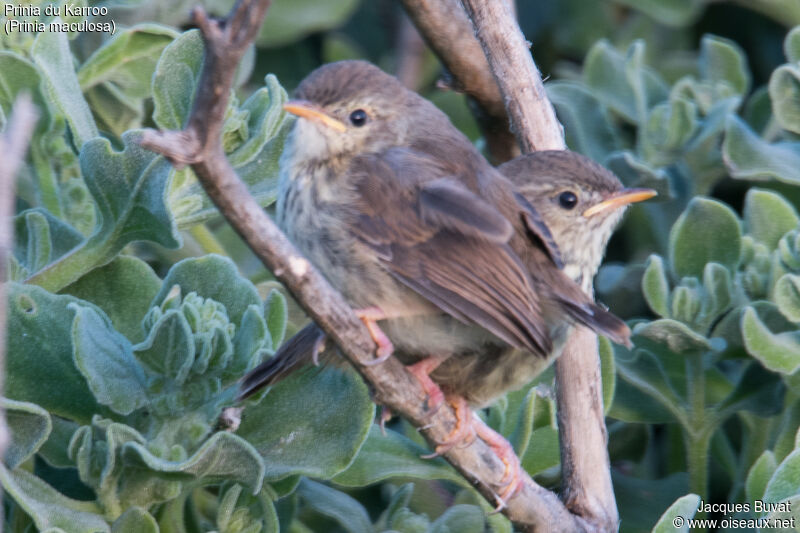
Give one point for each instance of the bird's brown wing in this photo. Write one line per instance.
(446, 243)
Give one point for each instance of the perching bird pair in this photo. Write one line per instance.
(467, 273)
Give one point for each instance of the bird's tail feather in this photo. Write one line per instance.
(600, 320)
(295, 353)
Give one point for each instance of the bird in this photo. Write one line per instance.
(401, 214)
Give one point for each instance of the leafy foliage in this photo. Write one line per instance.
(130, 326)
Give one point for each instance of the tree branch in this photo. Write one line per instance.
(588, 491)
(448, 31)
(199, 145)
(13, 147)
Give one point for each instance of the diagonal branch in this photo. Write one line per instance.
(588, 491)
(199, 145)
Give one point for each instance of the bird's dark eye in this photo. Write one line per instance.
(567, 199)
(358, 118)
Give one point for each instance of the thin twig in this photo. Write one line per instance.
(13, 147)
(199, 145)
(587, 491)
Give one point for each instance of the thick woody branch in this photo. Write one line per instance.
(13, 147)
(199, 145)
(448, 31)
(587, 490)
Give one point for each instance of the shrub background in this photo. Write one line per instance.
(129, 326)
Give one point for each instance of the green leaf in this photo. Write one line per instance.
(644, 391)
(670, 125)
(311, 423)
(251, 337)
(223, 457)
(655, 286)
(784, 92)
(759, 475)
(128, 59)
(169, 349)
(678, 513)
(677, 337)
(129, 190)
(608, 371)
(277, 314)
(105, 358)
(723, 63)
(114, 111)
(29, 426)
(52, 55)
(290, 20)
(266, 117)
(123, 289)
(393, 455)
(677, 13)
(48, 508)
(54, 450)
(135, 520)
(40, 365)
(586, 122)
(748, 157)
(624, 84)
(215, 277)
(460, 519)
(757, 391)
(787, 296)
(791, 45)
(347, 511)
(18, 75)
(175, 80)
(707, 231)
(785, 482)
(777, 352)
(768, 216)
(41, 238)
(543, 451)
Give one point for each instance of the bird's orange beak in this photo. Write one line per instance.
(304, 109)
(619, 199)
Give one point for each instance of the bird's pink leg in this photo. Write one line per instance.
(422, 371)
(463, 433)
(512, 477)
(369, 316)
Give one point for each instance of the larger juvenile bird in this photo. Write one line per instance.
(402, 215)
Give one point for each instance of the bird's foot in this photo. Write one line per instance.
(512, 476)
(462, 434)
(319, 347)
(422, 371)
(370, 316)
(385, 416)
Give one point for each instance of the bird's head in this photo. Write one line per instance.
(580, 201)
(350, 107)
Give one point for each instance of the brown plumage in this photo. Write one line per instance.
(399, 211)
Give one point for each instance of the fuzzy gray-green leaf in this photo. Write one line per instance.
(768, 216)
(707, 231)
(105, 358)
(29, 426)
(53, 57)
(778, 352)
(40, 368)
